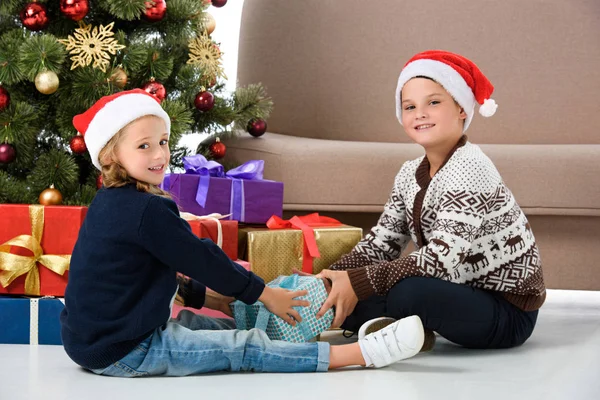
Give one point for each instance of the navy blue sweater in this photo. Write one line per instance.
(122, 278)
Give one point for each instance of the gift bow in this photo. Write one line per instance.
(12, 265)
(213, 217)
(250, 170)
(305, 223)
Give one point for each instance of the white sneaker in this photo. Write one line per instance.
(398, 341)
(374, 325)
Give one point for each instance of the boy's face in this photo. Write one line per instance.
(143, 150)
(430, 116)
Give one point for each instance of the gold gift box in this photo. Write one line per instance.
(274, 252)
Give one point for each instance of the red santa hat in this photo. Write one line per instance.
(457, 74)
(112, 113)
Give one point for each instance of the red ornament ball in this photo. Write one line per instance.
(34, 16)
(155, 10)
(156, 89)
(99, 182)
(217, 149)
(219, 3)
(7, 153)
(74, 9)
(78, 144)
(204, 101)
(4, 98)
(257, 127)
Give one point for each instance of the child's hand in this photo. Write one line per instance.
(280, 302)
(342, 296)
(326, 281)
(218, 302)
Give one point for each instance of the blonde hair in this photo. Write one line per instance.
(113, 173)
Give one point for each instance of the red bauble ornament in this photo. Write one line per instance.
(155, 10)
(74, 9)
(217, 149)
(99, 181)
(204, 101)
(156, 89)
(7, 153)
(219, 3)
(78, 144)
(257, 127)
(4, 98)
(34, 16)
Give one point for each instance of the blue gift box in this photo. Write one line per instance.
(30, 320)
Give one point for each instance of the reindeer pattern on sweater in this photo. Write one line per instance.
(465, 222)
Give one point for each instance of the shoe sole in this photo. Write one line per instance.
(382, 322)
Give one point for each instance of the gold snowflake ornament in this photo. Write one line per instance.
(206, 54)
(87, 45)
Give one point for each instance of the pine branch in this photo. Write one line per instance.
(10, 43)
(128, 10)
(15, 191)
(57, 168)
(10, 7)
(82, 196)
(181, 118)
(87, 86)
(251, 102)
(19, 122)
(41, 53)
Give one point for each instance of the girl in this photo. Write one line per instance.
(122, 279)
(476, 276)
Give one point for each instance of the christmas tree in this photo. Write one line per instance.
(58, 57)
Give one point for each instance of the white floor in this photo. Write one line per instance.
(560, 361)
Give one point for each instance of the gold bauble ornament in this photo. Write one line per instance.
(209, 23)
(119, 77)
(50, 197)
(46, 82)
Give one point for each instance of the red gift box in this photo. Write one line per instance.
(208, 228)
(35, 246)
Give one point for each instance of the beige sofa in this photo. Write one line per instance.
(331, 67)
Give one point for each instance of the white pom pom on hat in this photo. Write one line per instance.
(457, 74)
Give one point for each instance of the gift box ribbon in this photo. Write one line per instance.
(199, 165)
(213, 217)
(12, 265)
(305, 223)
(34, 319)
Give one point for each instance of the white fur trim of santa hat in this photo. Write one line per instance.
(111, 114)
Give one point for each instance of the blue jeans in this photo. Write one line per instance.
(195, 344)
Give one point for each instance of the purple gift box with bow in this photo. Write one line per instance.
(206, 188)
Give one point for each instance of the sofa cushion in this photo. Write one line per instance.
(332, 69)
(332, 175)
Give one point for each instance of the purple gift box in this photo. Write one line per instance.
(205, 188)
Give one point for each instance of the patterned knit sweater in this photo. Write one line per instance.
(466, 225)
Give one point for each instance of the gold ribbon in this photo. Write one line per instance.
(12, 265)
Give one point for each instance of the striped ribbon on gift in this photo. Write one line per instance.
(34, 315)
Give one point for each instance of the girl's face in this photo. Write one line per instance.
(143, 150)
(430, 116)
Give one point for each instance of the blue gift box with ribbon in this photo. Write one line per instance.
(257, 316)
(241, 192)
(30, 320)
